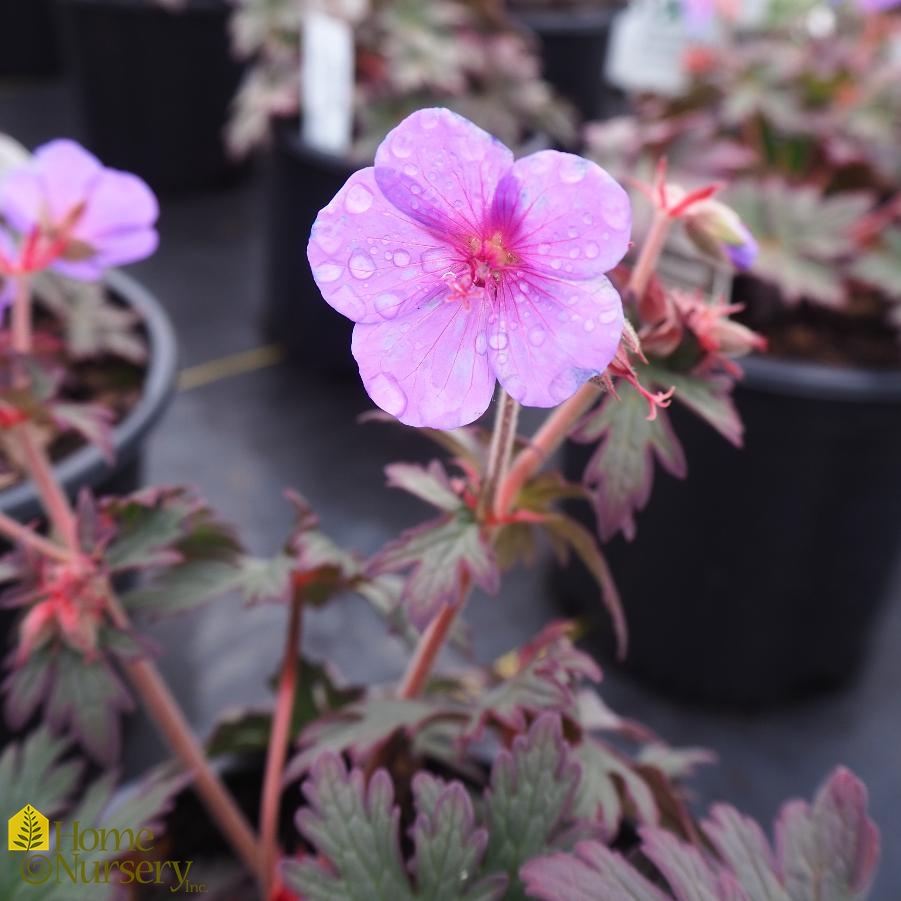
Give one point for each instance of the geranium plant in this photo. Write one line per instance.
(465, 56)
(803, 124)
(462, 268)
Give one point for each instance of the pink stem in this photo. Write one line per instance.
(169, 719)
(278, 749)
(558, 425)
(430, 644)
(19, 534)
(146, 679)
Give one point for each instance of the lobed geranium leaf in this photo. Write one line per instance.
(448, 848)
(429, 483)
(538, 677)
(92, 421)
(709, 397)
(40, 771)
(441, 556)
(828, 850)
(182, 588)
(529, 799)
(620, 473)
(592, 873)
(354, 827)
(881, 267)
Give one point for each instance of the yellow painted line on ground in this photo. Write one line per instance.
(228, 367)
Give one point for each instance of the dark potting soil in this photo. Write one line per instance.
(858, 335)
(107, 380)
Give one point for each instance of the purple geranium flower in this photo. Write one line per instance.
(462, 267)
(75, 215)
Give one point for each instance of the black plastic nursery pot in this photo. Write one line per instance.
(300, 182)
(86, 467)
(758, 578)
(29, 39)
(574, 44)
(155, 87)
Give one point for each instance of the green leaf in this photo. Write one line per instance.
(182, 588)
(442, 555)
(709, 397)
(355, 827)
(430, 484)
(620, 473)
(530, 797)
(92, 421)
(881, 268)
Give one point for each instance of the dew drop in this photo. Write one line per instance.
(410, 170)
(608, 316)
(401, 145)
(498, 340)
(589, 325)
(385, 391)
(544, 248)
(573, 169)
(588, 219)
(387, 305)
(328, 272)
(481, 343)
(358, 199)
(361, 266)
(556, 264)
(592, 250)
(574, 253)
(573, 232)
(537, 336)
(401, 258)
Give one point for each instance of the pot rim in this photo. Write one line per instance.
(289, 140)
(87, 467)
(819, 381)
(582, 20)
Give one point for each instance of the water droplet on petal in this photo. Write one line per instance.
(589, 325)
(428, 118)
(481, 343)
(556, 264)
(401, 145)
(592, 250)
(544, 248)
(358, 199)
(498, 340)
(573, 169)
(410, 169)
(401, 258)
(537, 336)
(574, 253)
(385, 391)
(573, 232)
(588, 219)
(361, 266)
(387, 305)
(608, 316)
(328, 272)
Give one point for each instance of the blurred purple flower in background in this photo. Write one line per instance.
(462, 267)
(72, 213)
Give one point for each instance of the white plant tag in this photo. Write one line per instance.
(327, 82)
(647, 43)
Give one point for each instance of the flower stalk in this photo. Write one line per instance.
(278, 747)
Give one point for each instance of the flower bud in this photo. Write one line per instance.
(717, 229)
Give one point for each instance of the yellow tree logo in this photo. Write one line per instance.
(29, 830)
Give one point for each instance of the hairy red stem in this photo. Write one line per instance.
(278, 749)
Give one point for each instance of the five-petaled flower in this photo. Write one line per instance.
(71, 213)
(461, 267)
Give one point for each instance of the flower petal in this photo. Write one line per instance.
(67, 172)
(442, 171)
(429, 368)
(117, 200)
(370, 261)
(115, 250)
(566, 217)
(549, 338)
